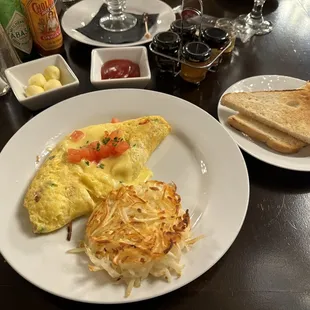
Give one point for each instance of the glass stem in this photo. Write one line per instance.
(116, 7)
(257, 10)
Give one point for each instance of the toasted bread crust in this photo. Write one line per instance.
(287, 111)
(273, 138)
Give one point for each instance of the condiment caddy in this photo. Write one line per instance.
(188, 50)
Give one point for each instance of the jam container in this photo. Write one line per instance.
(229, 26)
(184, 29)
(167, 43)
(196, 54)
(217, 39)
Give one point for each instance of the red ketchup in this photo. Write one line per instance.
(119, 68)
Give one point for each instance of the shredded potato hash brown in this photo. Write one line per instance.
(138, 231)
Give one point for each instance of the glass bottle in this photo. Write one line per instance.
(227, 25)
(15, 24)
(217, 39)
(197, 54)
(167, 43)
(44, 25)
(184, 29)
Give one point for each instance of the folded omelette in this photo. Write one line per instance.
(62, 190)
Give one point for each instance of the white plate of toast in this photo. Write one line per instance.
(269, 117)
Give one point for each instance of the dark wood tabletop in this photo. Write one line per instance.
(268, 265)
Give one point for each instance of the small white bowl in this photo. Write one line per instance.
(136, 54)
(19, 75)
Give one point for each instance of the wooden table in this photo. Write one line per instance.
(268, 266)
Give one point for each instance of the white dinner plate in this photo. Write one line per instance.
(82, 13)
(199, 156)
(299, 161)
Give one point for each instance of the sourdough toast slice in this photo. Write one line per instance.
(273, 138)
(287, 110)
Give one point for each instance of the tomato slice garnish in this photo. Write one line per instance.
(95, 145)
(90, 154)
(85, 153)
(94, 155)
(112, 149)
(95, 151)
(74, 156)
(116, 134)
(104, 151)
(121, 147)
(77, 135)
(115, 120)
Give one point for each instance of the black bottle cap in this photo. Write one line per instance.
(215, 37)
(167, 40)
(180, 25)
(196, 52)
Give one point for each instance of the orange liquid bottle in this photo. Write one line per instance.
(44, 25)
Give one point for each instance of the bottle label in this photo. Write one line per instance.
(44, 23)
(18, 33)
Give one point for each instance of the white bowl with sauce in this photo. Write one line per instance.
(19, 75)
(137, 54)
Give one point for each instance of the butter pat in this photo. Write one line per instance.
(32, 90)
(52, 72)
(38, 83)
(52, 84)
(37, 79)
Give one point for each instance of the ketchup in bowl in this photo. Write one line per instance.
(119, 68)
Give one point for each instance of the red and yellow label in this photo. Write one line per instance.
(44, 23)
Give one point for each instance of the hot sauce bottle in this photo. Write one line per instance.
(14, 22)
(44, 25)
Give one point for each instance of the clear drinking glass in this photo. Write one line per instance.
(254, 20)
(117, 20)
(8, 58)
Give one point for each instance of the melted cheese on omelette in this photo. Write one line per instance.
(120, 168)
(62, 191)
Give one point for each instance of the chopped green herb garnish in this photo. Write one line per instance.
(105, 140)
(115, 139)
(134, 145)
(121, 181)
(101, 166)
(98, 146)
(114, 144)
(87, 162)
(87, 141)
(53, 184)
(51, 157)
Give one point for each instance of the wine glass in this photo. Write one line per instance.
(254, 22)
(117, 20)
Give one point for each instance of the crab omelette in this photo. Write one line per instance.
(89, 163)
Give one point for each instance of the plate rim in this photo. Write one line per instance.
(245, 149)
(101, 44)
(246, 199)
